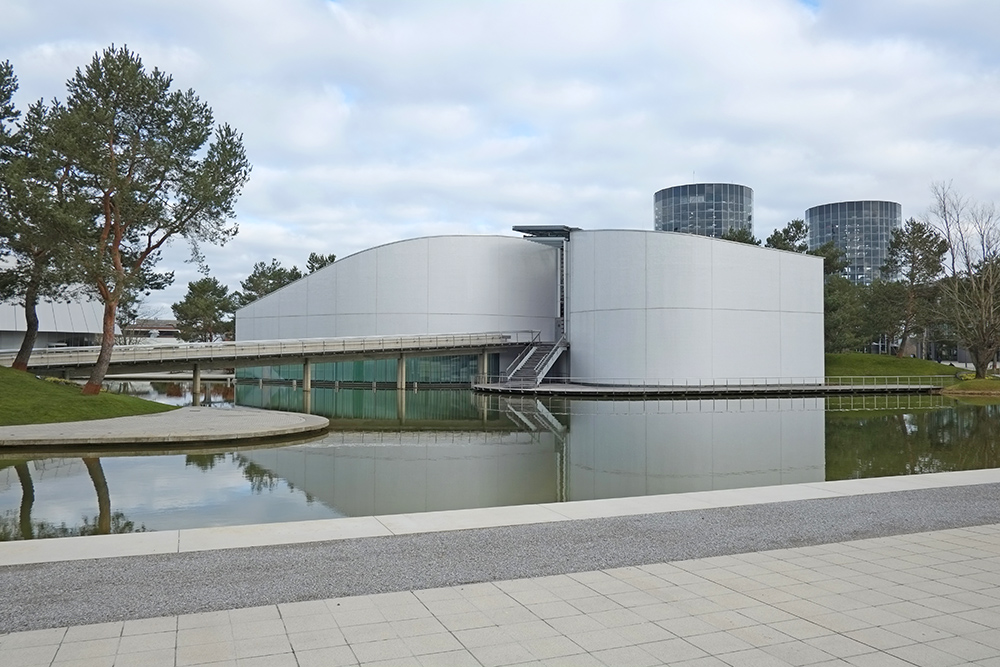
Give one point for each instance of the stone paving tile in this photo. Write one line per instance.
(336, 656)
(158, 658)
(929, 600)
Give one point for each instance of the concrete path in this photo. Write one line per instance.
(185, 425)
(893, 571)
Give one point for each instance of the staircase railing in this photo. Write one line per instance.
(546, 363)
(520, 359)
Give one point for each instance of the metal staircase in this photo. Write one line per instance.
(532, 365)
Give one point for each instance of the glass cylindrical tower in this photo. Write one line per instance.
(707, 209)
(861, 229)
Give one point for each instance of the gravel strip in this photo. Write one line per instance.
(81, 592)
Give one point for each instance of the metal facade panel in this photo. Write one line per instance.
(294, 299)
(745, 277)
(620, 275)
(672, 265)
(462, 277)
(322, 287)
(677, 344)
(357, 286)
(624, 331)
(746, 343)
(802, 345)
(402, 279)
(391, 323)
(527, 279)
(801, 283)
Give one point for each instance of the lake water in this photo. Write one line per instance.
(395, 452)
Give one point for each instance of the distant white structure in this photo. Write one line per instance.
(634, 305)
(70, 324)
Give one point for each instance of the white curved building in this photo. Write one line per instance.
(634, 305)
(656, 306)
(438, 284)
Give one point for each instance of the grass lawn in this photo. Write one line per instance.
(24, 399)
(855, 363)
(987, 387)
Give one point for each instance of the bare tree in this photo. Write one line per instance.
(970, 293)
(947, 215)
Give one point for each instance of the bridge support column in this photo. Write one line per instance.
(482, 366)
(401, 373)
(306, 386)
(196, 385)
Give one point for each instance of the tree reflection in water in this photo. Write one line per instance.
(27, 499)
(105, 522)
(261, 479)
(877, 444)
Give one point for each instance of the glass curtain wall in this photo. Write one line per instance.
(444, 370)
(861, 229)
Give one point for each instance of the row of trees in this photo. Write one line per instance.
(93, 188)
(940, 282)
(207, 311)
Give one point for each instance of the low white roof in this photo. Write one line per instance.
(75, 317)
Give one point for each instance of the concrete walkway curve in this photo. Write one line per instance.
(186, 425)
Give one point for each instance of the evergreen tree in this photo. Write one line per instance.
(317, 261)
(793, 237)
(206, 312)
(915, 257)
(740, 235)
(43, 213)
(843, 315)
(264, 279)
(156, 167)
(834, 260)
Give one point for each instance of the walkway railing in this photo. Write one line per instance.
(895, 382)
(226, 353)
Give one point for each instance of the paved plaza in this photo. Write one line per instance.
(918, 599)
(898, 596)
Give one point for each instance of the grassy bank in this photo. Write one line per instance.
(855, 363)
(24, 399)
(987, 387)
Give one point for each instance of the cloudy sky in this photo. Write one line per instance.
(370, 121)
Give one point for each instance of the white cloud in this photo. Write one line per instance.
(372, 121)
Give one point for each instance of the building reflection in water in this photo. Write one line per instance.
(499, 451)
(439, 450)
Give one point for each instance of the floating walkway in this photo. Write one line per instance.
(726, 388)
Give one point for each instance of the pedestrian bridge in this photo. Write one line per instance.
(77, 361)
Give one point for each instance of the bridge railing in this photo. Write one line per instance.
(840, 381)
(303, 347)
